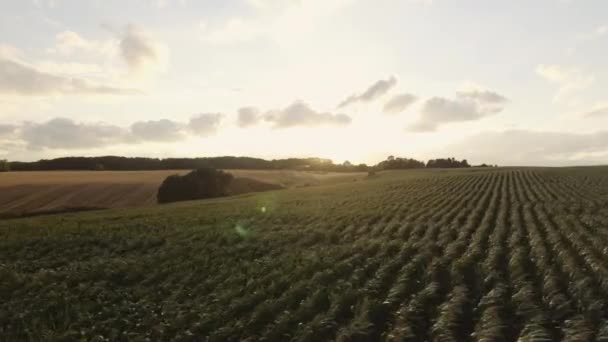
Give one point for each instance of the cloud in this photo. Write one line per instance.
(133, 45)
(70, 42)
(602, 30)
(248, 116)
(569, 79)
(163, 130)
(205, 124)
(375, 91)
(468, 106)
(399, 103)
(9, 51)
(484, 96)
(300, 114)
(62, 133)
(19, 79)
(7, 130)
(140, 52)
(523, 147)
(598, 111)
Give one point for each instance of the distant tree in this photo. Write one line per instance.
(4, 166)
(393, 163)
(447, 163)
(198, 184)
(226, 162)
(361, 168)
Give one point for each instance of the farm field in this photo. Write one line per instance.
(517, 254)
(44, 191)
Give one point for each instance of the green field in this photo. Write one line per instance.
(471, 255)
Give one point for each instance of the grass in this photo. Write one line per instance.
(404, 256)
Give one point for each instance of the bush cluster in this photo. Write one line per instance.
(198, 184)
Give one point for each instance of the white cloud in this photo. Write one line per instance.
(300, 114)
(399, 103)
(10, 52)
(600, 110)
(205, 124)
(468, 106)
(70, 42)
(20, 79)
(483, 96)
(569, 80)
(374, 92)
(71, 68)
(601, 30)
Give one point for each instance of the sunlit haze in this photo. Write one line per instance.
(508, 82)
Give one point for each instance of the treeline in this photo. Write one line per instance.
(115, 163)
(396, 163)
(133, 164)
(447, 163)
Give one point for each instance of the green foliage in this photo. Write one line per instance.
(198, 184)
(4, 165)
(447, 163)
(479, 255)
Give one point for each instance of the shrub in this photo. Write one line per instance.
(4, 166)
(198, 184)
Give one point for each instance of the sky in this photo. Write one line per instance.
(515, 82)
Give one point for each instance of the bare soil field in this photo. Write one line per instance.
(23, 193)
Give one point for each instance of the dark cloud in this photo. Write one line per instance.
(205, 124)
(300, 114)
(468, 106)
(399, 103)
(7, 130)
(157, 130)
(20, 79)
(375, 91)
(523, 147)
(62, 133)
(248, 116)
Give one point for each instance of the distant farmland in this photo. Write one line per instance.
(45, 191)
(462, 255)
